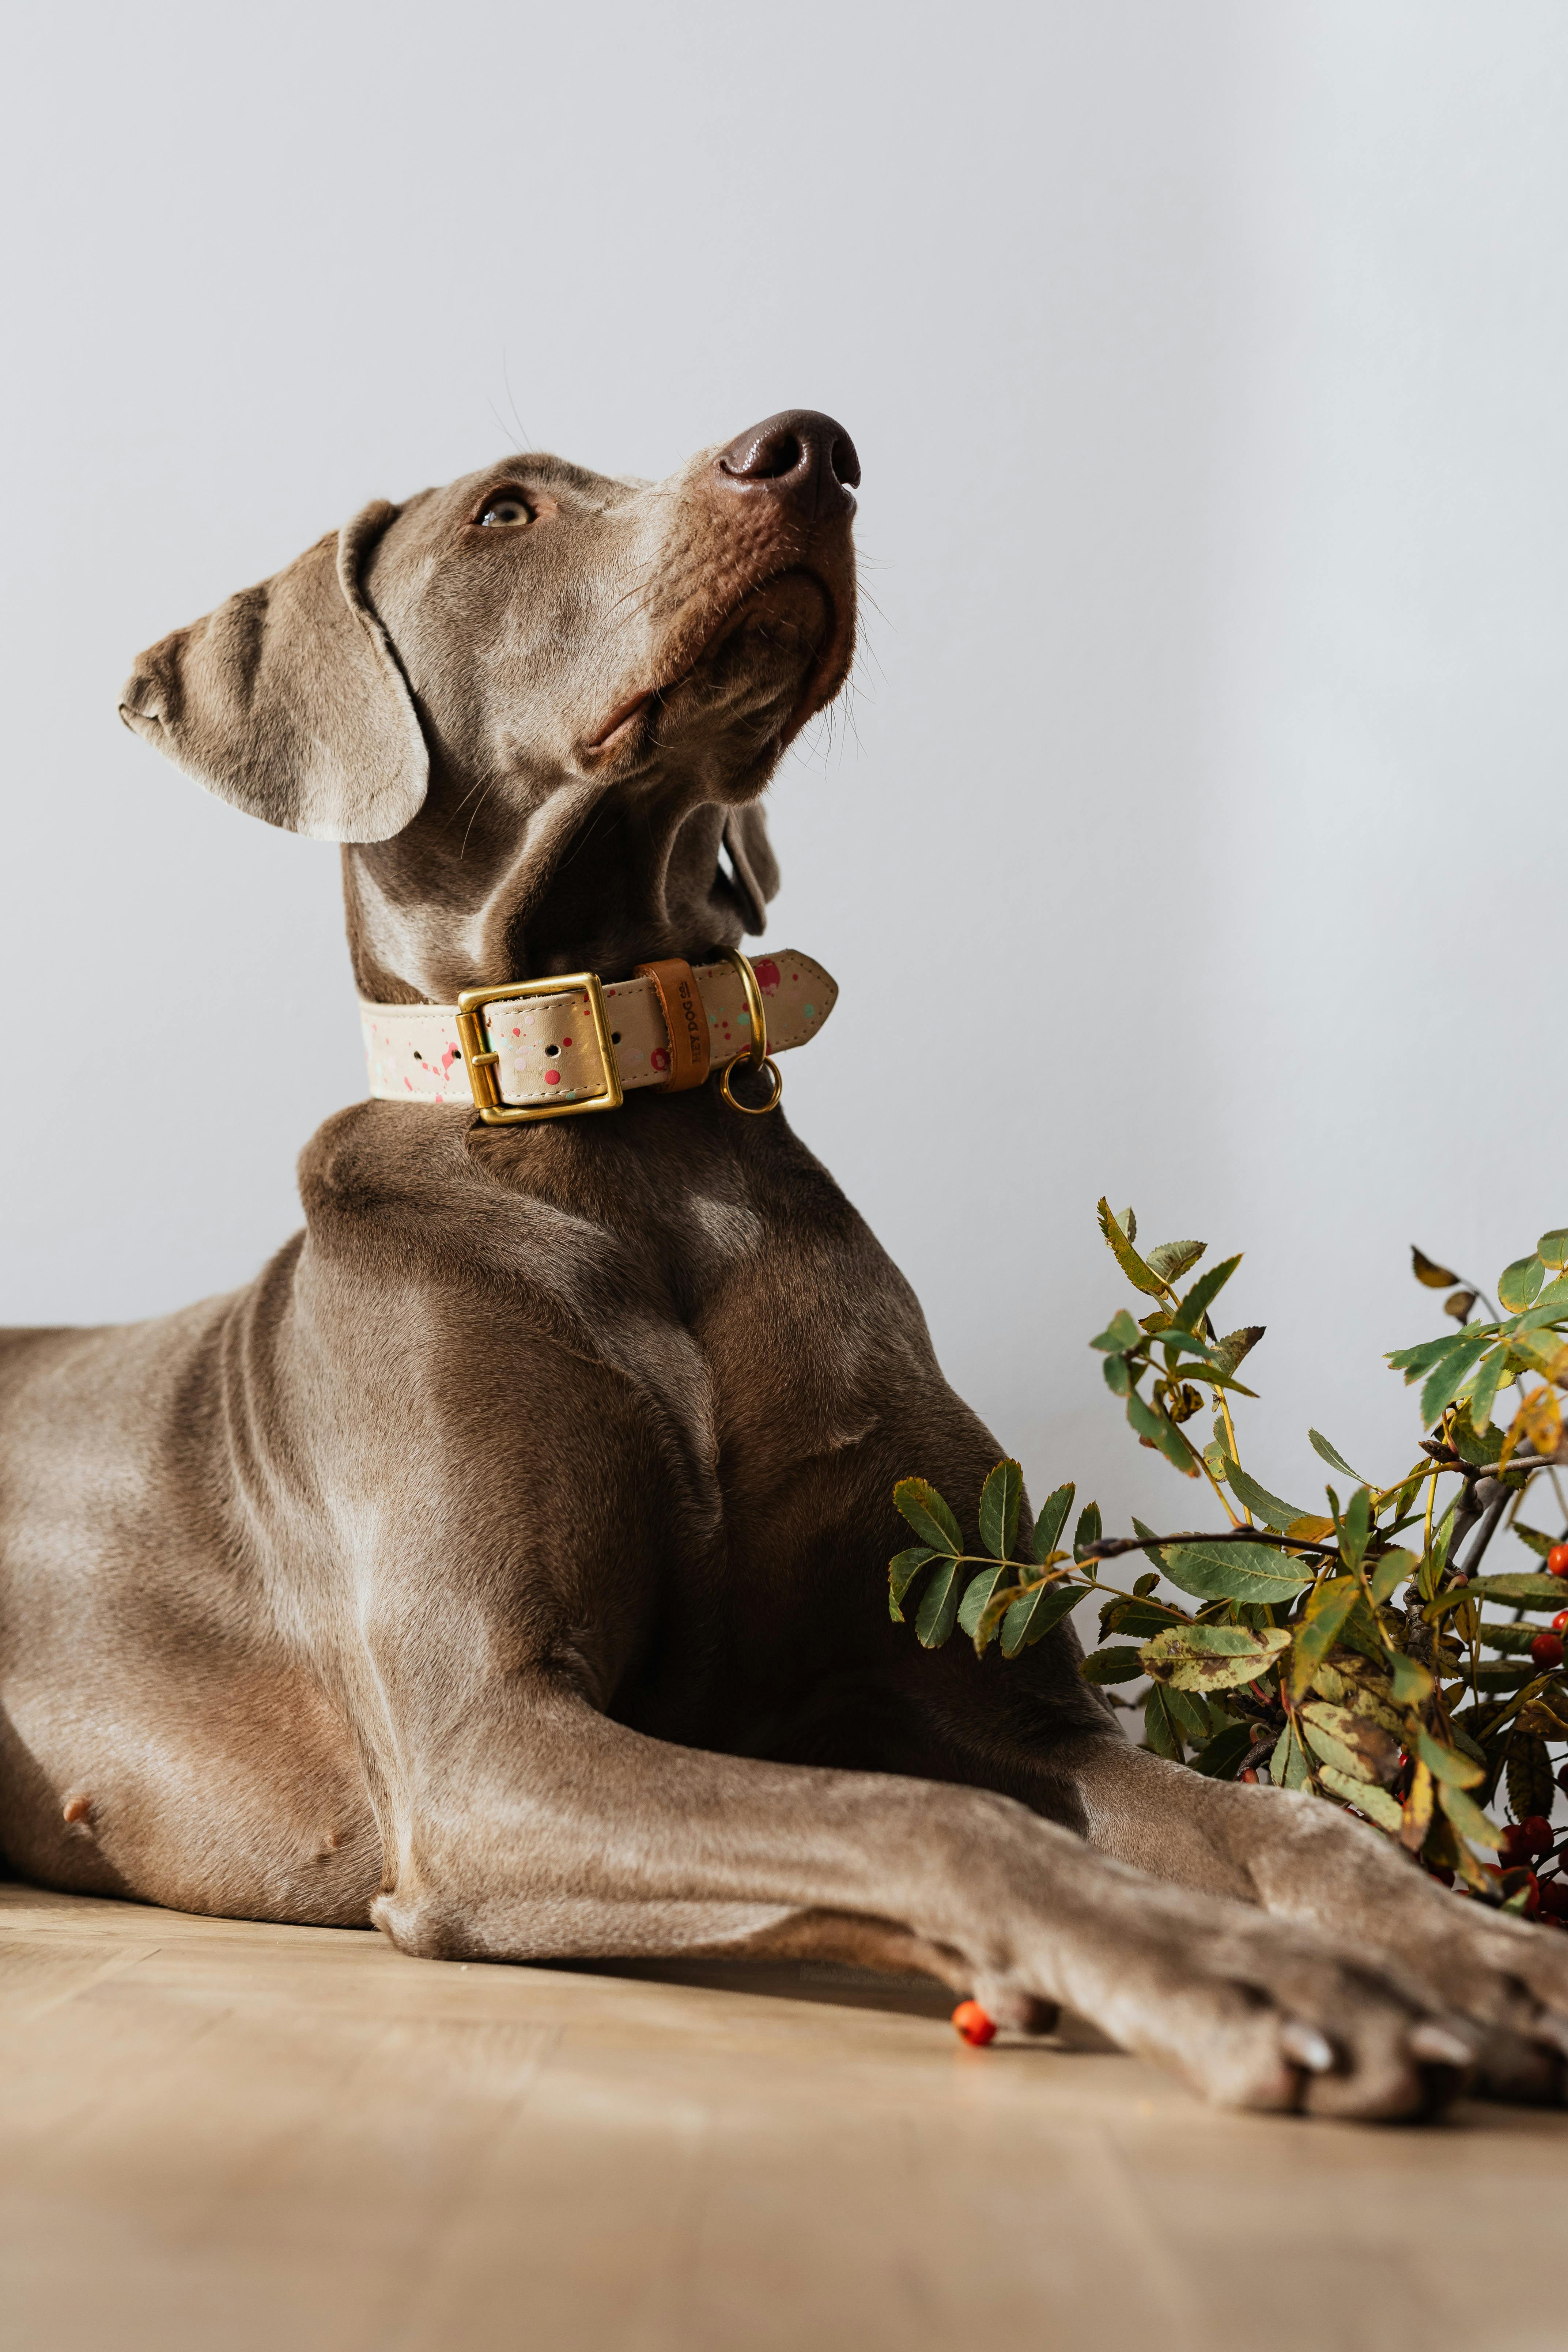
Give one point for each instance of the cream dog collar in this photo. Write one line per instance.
(551, 1048)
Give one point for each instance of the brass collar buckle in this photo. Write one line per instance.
(481, 1062)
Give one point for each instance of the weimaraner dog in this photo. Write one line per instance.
(507, 1565)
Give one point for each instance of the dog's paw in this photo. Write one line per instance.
(1273, 2019)
(1502, 1982)
(1507, 1979)
(1269, 2014)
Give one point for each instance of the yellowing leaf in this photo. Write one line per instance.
(1417, 1818)
(1374, 1802)
(1425, 1269)
(1212, 1657)
(1467, 1817)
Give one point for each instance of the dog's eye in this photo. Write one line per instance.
(506, 511)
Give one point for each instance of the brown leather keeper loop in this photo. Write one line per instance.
(686, 1019)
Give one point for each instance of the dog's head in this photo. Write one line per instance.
(548, 696)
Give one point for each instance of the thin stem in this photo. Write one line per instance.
(1114, 1546)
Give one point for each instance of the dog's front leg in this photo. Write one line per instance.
(1300, 1859)
(550, 1831)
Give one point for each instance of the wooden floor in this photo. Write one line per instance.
(235, 2136)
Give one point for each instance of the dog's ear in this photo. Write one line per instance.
(289, 701)
(755, 867)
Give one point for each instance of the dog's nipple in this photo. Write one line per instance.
(78, 1808)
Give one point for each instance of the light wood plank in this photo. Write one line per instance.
(220, 2133)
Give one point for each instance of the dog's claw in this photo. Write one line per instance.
(1305, 2046)
(1440, 2045)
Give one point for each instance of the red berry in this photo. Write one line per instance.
(972, 2023)
(1547, 1649)
(1557, 1560)
(1517, 1847)
(1554, 1898)
(1538, 1833)
(1560, 1623)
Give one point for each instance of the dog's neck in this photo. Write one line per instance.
(468, 896)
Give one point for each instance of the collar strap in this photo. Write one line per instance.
(553, 1048)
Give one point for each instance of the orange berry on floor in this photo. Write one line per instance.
(971, 2021)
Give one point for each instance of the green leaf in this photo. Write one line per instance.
(1448, 1377)
(1052, 1521)
(1288, 1766)
(1466, 1816)
(1135, 1617)
(1446, 1764)
(999, 1500)
(1537, 1541)
(1328, 1608)
(1414, 1361)
(1177, 1342)
(1514, 1639)
(1522, 1589)
(1436, 1277)
(1170, 1260)
(1118, 1375)
(1519, 1284)
(1222, 1759)
(1115, 1666)
(1197, 1719)
(1232, 1571)
(1530, 1788)
(1366, 1795)
(1159, 1726)
(1551, 1249)
(977, 1592)
(1389, 1571)
(1412, 1683)
(1503, 1674)
(927, 1515)
(1162, 1434)
(1212, 1657)
(939, 1608)
(1479, 1447)
(1119, 1335)
(1489, 1379)
(1258, 1500)
(902, 1571)
(1355, 1528)
(1333, 1456)
(1127, 1257)
(1192, 1309)
(1088, 1530)
(1551, 1304)
(1028, 1622)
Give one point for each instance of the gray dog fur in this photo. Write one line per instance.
(507, 1564)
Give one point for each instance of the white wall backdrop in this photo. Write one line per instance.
(1202, 781)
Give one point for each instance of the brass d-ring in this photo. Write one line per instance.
(756, 1056)
(752, 1110)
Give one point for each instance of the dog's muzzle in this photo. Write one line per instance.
(555, 1048)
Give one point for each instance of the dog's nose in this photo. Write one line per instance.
(799, 456)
